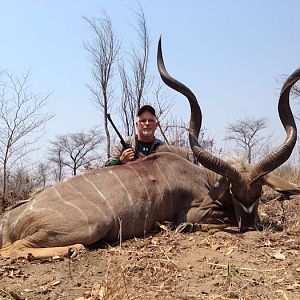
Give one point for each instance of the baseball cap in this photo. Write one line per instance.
(146, 108)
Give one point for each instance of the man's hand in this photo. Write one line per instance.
(127, 155)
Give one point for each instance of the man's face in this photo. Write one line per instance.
(146, 125)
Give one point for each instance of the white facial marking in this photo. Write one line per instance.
(249, 209)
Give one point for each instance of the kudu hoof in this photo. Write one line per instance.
(184, 227)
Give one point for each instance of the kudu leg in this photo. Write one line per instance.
(209, 215)
(25, 249)
(204, 227)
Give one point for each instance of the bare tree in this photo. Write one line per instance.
(56, 158)
(21, 123)
(163, 104)
(42, 174)
(134, 86)
(75, 150)
(296, 90)
(128, 105)
(20, 185)
(103, 51)
(247, 136)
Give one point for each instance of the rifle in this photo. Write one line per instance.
(124, 144)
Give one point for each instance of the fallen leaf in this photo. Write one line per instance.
(293, 251)
(216, 246)
(290, 240)
(163, 227)
(290, 287)
(14, 295)
(154, 241)
(279, 256)
(267, 243)
(57, 282)
(11, 274)
(282, 293)
(229, 251)
(99, 293)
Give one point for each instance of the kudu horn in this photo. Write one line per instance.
(205, 158)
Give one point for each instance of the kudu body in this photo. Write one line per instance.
(125, 201)
(106, 204)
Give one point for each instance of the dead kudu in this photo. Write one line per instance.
(128, 199)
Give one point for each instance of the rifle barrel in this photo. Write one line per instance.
(116, 130)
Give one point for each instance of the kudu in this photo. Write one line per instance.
(240, 186)
(125, 201)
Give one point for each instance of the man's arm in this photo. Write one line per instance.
(115, 155)
(120, 156)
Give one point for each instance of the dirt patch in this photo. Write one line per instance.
(200, 265)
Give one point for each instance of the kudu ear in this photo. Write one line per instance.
(219, 189)
(280, 185)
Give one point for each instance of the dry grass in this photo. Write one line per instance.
(164, 265)
(227, 267)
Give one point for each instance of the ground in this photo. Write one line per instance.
(164, 265)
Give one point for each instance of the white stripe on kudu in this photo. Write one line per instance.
(163, 175)
(102, 196)
(156, 183)
(122, 184)
(86, 198)
(77, 208)
(141, 181)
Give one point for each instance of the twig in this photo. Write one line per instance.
(124, 281)
(163, 134)
(248, 269)
(5, 292)
(135, 251)
(69, 266)
(120, 232)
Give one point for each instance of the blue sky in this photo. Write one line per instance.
(230, 53)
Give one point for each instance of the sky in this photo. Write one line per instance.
(231, 54)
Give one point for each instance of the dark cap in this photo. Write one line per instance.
(146, 108)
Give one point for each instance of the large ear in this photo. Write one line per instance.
(219, 189)
(280, 185)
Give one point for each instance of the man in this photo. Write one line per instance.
(142, 144)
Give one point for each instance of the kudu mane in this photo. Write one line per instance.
(182, 152)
